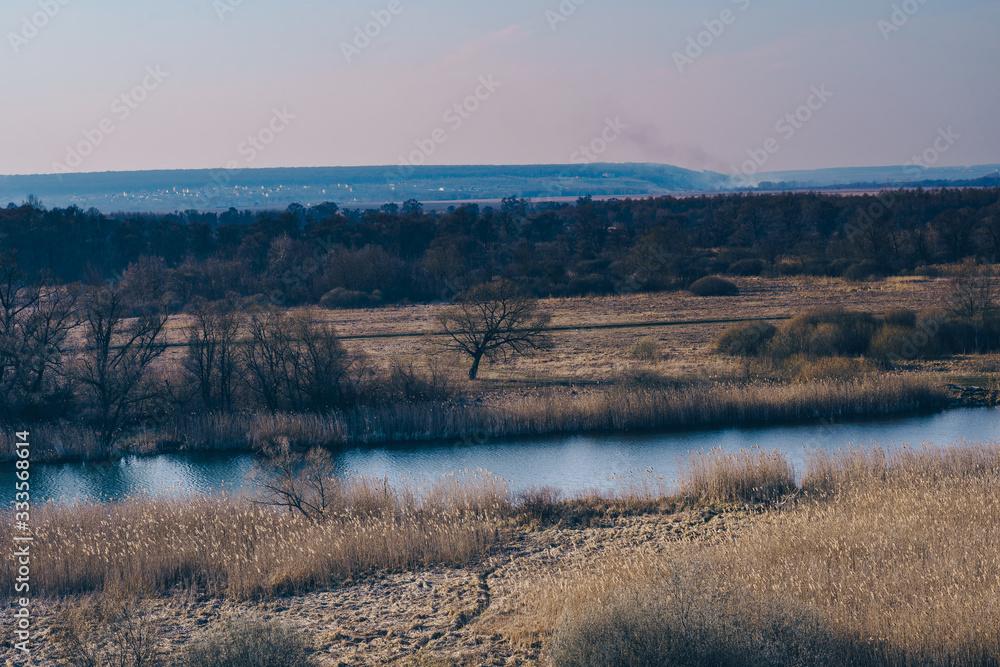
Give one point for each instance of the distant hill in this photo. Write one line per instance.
(219, 189)
(851, 176)
(363, 187)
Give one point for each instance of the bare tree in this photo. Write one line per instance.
(303, 483)
(116, 629)
(34, 326)
(212, 352)
(495, 320)
(17, 299)
(974, 293)
(296, 363)
(121, 345)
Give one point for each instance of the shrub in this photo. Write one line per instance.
(411, 385)
(900, 317)
(646, 348)
(828, 368)
(747, 267)
(339, 297)
(838, 267)
(747, 339)
(713, 286)
(829, 332)
(893, 343)
(592, 283)
(790, 268)
(861, 271)
(115, 628)
(249, 642)
(927, 271)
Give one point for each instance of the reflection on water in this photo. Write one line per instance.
(168, 474)
(568, 462)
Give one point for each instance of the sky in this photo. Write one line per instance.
(724, 85)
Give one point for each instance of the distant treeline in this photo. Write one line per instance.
(343, 257)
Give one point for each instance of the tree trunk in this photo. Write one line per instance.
(475, 366)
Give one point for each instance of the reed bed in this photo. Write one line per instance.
(232, 546)
(891, 557)
(751, 475)
(838, 471)
(623, 407)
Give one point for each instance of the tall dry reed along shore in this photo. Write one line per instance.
(633, 403)
(876, 557)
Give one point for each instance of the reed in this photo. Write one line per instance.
(232, 546)
(631, 404)
(751, 475)
(623, 407)
(889, 558)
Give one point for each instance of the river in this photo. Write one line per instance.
(569, 462)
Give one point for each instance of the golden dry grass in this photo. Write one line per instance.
(232, 546)
(750, 476)
(881, 557)
(588, 355)
(639, 402)
(892, 557)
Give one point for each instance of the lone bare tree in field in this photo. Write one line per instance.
(495, 320)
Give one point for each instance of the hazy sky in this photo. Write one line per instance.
(226, 66)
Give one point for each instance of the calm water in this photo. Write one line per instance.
(568, 462)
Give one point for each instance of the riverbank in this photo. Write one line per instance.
(638, 402)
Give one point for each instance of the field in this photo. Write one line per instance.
(594, 333)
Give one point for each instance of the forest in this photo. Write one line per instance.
(343, 258)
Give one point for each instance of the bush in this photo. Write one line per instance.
(713, 286)
(747, 339)
(900, 317)
(893, 343)
(802, 369)
(590, 284)
(747, 267)
(790, 268)
(249, 642)
(344, 298)
(411, 385)
(115, 628)
(861, 271)
(838, 267)
(646, 348)
(825, 333)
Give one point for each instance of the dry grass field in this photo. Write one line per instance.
(582, 354)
